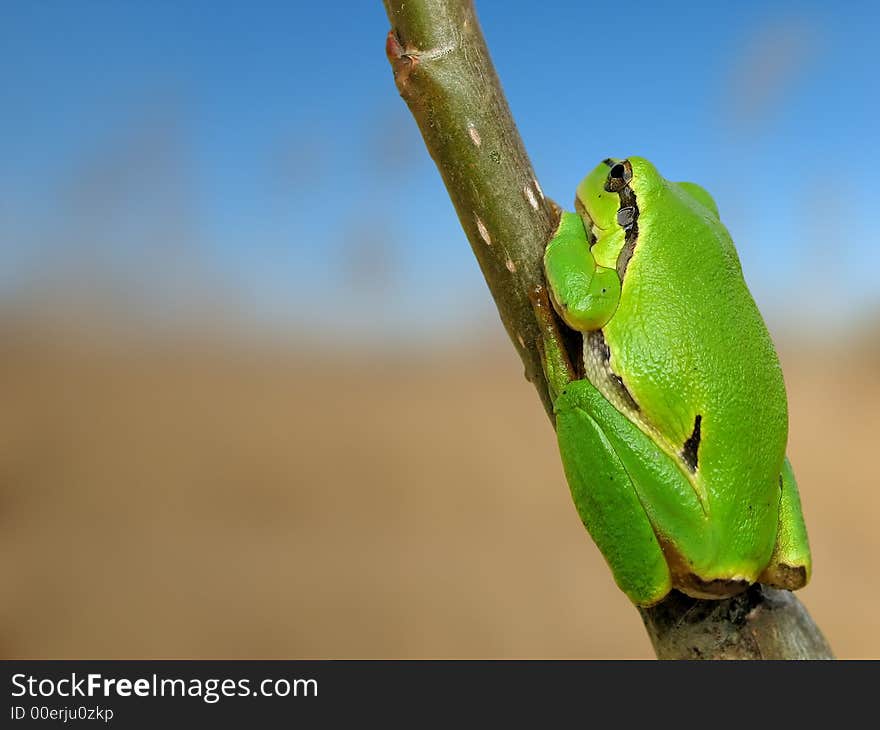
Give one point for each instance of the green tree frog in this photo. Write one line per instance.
(673, 427)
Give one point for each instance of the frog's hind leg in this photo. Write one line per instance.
(608, 504)
(790, 566)
(602, 490)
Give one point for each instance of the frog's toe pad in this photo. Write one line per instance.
(789, 577)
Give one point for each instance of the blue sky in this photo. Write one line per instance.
(257, 155)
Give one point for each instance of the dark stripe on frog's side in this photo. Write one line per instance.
(613, 384)
(599, 348)
(689, 451)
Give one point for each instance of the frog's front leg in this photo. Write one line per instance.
(585, 294)
(603, 493)
(791, 565)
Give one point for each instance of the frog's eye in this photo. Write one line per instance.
(619, 176)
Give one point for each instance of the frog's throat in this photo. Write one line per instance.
(598, 370)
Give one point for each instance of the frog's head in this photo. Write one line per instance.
(612, 187)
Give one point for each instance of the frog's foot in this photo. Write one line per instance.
(790, 565)
(789, 577)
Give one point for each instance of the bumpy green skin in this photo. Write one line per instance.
(673, 441)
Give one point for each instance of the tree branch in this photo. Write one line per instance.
(444, 73)
(762, 623)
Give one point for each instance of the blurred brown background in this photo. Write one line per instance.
(211, 499)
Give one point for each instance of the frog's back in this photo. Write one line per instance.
(702, 371)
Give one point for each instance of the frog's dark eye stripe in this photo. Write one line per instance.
(619, 176)
(608, 161)
(626, 216)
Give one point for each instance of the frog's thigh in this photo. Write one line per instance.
(790, 566)
(608, 504)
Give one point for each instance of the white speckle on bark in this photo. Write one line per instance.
(533, 201)
(511, 267)
(475, 135)
(538, 188)
(522, 342)
(432, 54)
(484, 234)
